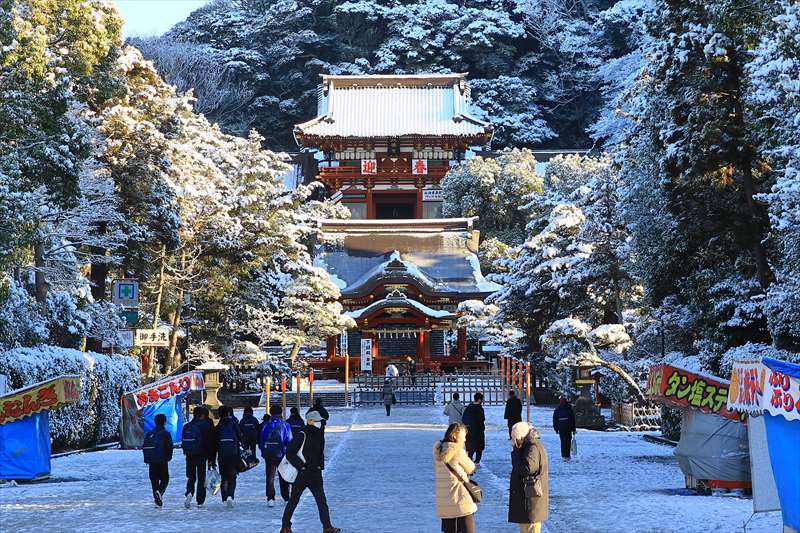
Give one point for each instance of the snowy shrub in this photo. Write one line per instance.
(20, 320)
(95, 417)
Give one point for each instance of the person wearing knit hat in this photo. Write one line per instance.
(309, 465)
(526, 508)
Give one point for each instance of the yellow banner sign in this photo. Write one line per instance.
(34, 398)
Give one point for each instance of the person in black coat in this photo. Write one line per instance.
(250, 429)
(158, 467)
(227, 429)
(309, 472)
(564, 425)
(319, 408)
(295, 421)
(475, 420)
(513, 412)
(198, 461)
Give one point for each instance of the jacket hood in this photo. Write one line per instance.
(446, 451)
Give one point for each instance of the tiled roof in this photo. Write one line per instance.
(394, 106)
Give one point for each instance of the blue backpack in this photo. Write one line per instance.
(192, 439)
(273, 447)
(228, 439)
(153, 447)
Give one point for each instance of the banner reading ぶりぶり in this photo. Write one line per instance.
(782, 393)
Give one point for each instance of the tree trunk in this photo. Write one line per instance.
(173, 357)
(41, 282)
(151, 352)
(293, 356)
(629, 380)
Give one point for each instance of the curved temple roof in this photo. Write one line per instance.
(394, 106)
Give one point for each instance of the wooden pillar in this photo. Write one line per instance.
(419, 201)
(462, 343)
(370, 200)
(331, 348)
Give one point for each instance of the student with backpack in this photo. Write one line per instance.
(228, 438)
(295, 421)
(196, 441)
(273, 441)
(250, 429)
(157, 451)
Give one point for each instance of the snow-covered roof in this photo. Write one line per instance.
(394, 106)
(398, 299)
(438, 256)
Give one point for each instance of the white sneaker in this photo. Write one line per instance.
(200, 506)
(187, 502)
(270, 503)
(229, 503)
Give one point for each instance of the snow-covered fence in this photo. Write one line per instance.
(636, 417)
(467, 384)
(95, 417)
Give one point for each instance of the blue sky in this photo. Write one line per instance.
(145, 18)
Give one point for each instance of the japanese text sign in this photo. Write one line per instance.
(747, 387)
(366, 355)
(782, 389)
(419, 167)
(152, 337)
(166, 389)
(369, 166)
(47, 395)
(684, 389)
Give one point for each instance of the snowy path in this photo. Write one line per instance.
(379, 479)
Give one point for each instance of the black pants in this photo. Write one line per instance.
(272, 472)
(196, 474)
(388, 408)
(159, 477)
(474, 452)
(313, 482)
(228, 470)
(462, 524)
(566, 443)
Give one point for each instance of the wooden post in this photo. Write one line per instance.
(283, 397)
(297, 386)
(347, 378)
(310, 387)
(528, 388)
(267, 387)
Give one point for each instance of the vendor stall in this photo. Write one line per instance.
(713, 450)
(25, 428)
(140, 407)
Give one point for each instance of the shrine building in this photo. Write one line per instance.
(383, 144)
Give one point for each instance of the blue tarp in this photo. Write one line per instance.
(783, 440)
(172, 408)
(25, 447)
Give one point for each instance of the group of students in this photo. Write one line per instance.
(206, 445)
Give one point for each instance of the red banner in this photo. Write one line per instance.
(34, 398)
(684, 389)
(167, 388)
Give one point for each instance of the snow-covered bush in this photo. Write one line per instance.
(20, 320)
(95, 417)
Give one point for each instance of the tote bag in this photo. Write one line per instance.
(286, 469)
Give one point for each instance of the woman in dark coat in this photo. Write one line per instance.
(528, 458)
(475, 420)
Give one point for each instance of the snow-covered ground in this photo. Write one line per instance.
(379, 479)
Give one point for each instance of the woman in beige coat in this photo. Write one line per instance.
(454, 504)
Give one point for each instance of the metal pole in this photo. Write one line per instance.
(297, 395)
(310, 387)
(528, 389)
(267, 387)
(283, 396)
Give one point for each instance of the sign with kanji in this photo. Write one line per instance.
(158, 338)
(432, 195)
(343, 344)
(369, 166)
(34, 398)
(366, 355)
(684, 389)
(167, 388)
(419, 167)
(125, 292)
(746, 390)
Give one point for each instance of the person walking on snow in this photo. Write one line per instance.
(475, 420)
(452, 468)
(454, 410)
(513, 412)
(228, 439)
(295, 421)
(528, 461)
(412, 370)
(198, 448)
(319, 408)
(157, 451)
(388, 395)
(250, 430)
(564, 425)
(276, 435)
(309, 472)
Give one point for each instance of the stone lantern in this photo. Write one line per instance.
(587, 413)
(211, 371)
